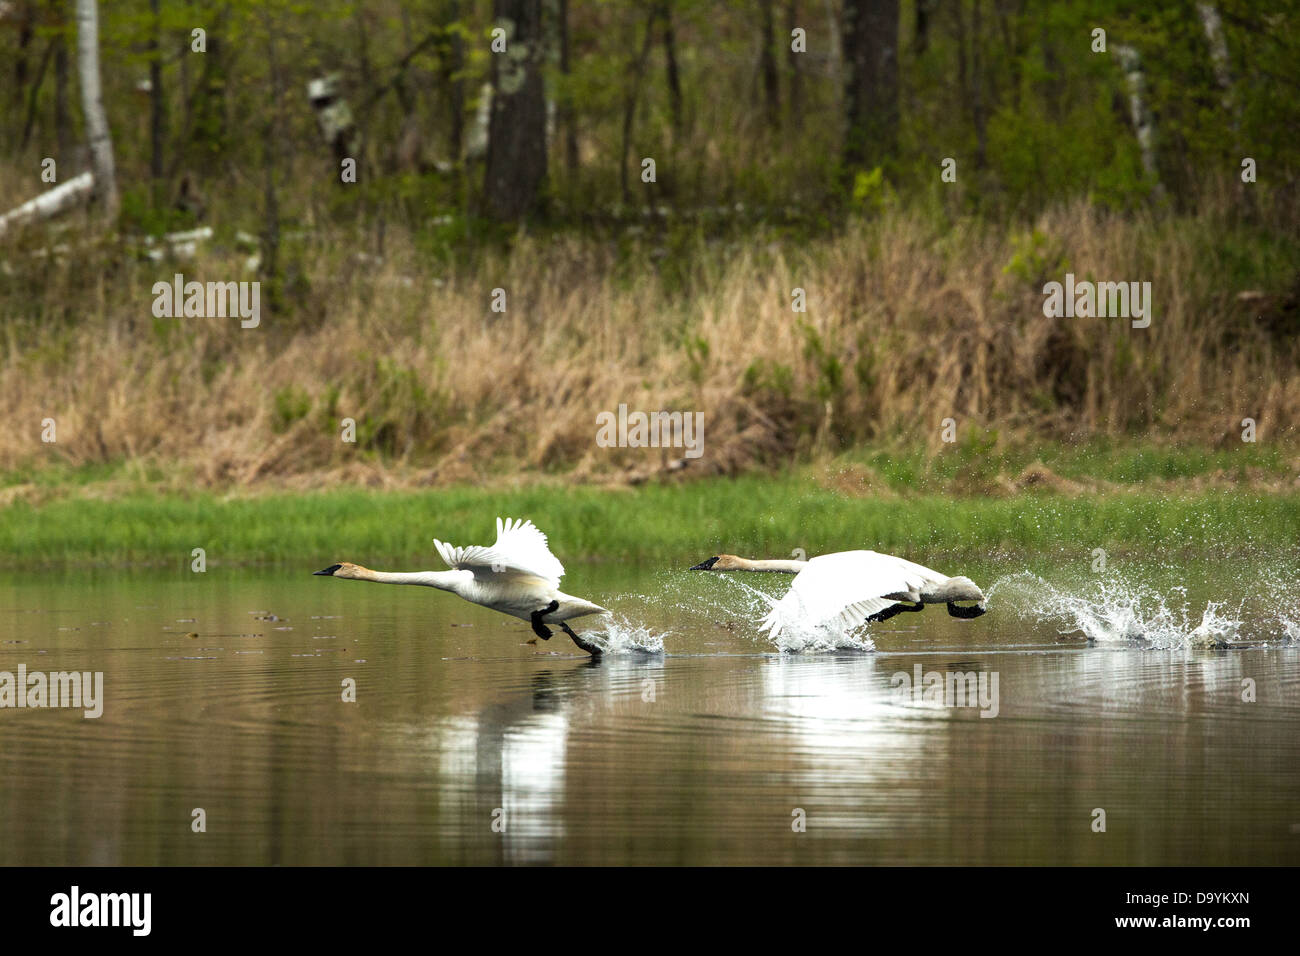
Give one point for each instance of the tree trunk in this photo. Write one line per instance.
(62, 118)
(98, 137)
(568, 121)
(66, 195)
(767, 65)
(794, 60)
(270, 264)
(921, 31)
(834, 62)
(672, 74)
(1143, 122)
(451, 63)
(635, 71)
(871, 84)
(978, 113)
(1213, 24)
(206, 131)
(1223, 75)
(26, 32)
(157, 102)
(35, 94)
(516, 155)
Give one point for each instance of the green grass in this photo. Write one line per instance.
(933, 502)
(983, 458)
(761, 516)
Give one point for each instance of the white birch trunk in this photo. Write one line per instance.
(62, 197)
(92, 104)
(1143, 122)
(1213, 24)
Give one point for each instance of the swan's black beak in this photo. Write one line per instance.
(704, 565)
(328, 572)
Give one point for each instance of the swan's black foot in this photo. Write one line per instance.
(540, 629)
(587, 646)
(975, 610)
(895, 609)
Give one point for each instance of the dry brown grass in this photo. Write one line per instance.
(906, 325)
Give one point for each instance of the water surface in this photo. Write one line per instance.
(707, 749)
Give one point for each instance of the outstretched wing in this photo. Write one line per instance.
(520, 549)
(842, 590)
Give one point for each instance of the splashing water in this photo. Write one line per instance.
(804, 640)
(621, 636)
(1112, 610)
(753, 607)
(1278, 585)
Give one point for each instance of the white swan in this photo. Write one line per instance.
(517, 576)
(851, 588)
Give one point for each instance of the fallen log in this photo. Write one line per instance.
(61, 198)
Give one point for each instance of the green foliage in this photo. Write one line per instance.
(697, 352)
(765, 376)
(829, 382)
(1035, 258)
(870, 190)
(142, 213)
(1013, 92)
(400, 411)
(292, 404)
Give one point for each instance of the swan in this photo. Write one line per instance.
(850, 588)
(518, 576)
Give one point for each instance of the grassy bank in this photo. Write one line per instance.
(914, 316)
(842, 505)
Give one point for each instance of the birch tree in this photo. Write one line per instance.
(98, 138)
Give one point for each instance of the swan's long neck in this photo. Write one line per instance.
(779, 565)
(442, 580)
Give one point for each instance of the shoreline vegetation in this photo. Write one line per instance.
(421, 281)
(914, 317)
(923, 403)
(1174, 501)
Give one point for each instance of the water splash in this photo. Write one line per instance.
(750, 605)
(1112, 610)
(811, 640)
(618, 635)
(1278, 588)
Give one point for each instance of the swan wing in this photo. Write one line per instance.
(843, 590)
(520, 550)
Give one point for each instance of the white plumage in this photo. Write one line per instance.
(850, 588)
(518, 575)
(520, 549)
(843, 590)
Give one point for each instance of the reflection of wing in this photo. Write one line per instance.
(520, 549)
(843, 590)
